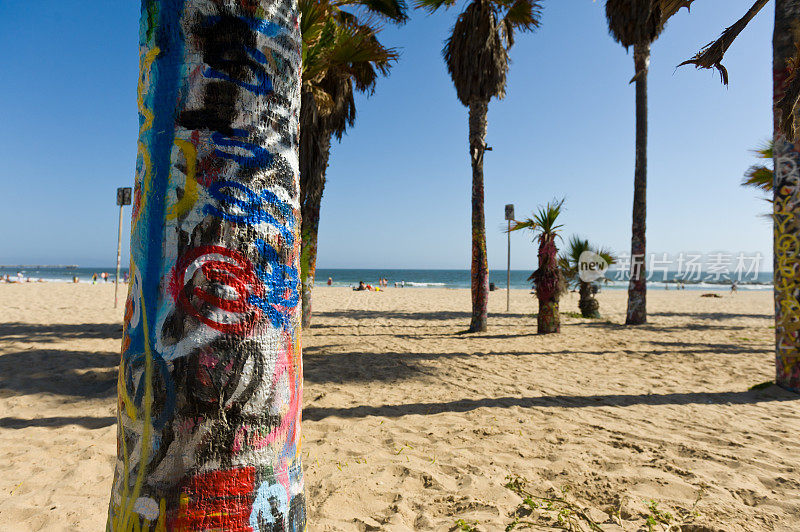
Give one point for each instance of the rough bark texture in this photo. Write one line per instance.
(308, 253)
(315, 147)
(547, 280)
(480, 265)
(210, 378)
(589, 306)
(786, 206)
(637, 287)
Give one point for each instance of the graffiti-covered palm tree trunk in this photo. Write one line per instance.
(786, 205)
(637, 287)
(480, 264)
(210, 377)
(548, 286)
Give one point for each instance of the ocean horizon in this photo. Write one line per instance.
(424, 278)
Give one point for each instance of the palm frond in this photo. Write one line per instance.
(394, 10)
(433, 5)
(766, 151)
(527, 223)
(711, 55)
(760, 177)
(671, 7)
(547, 216)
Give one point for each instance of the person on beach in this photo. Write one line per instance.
(330, 281)
(361, 286)
(94, 278)
(734, 288)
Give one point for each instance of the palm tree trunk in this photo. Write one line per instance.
(637, 287)
(786, 208)
(548, 288)
(310, 231)
(480, 266)
(210, 376)
(588, 304)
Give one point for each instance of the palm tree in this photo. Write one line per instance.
(210, 377)
(341, 55)
(477, 58)
(569, 262)
(637, 23)
(547, 279)
(761, 176)
(786, 157)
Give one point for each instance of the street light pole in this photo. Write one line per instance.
(509, 219)
(119, 252)
(508, 271)
(123, 198)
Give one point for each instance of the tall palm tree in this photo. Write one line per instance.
(637, 23)
(477, 58)
(786, 164)
(210, 377)
(341, 55)
(547, 279)
(569, 262)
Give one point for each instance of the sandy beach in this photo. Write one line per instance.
(409, 425)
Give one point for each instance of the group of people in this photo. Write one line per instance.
(103, 276)
(383, 282)
(19, 278)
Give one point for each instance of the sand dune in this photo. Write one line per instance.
(409, 425)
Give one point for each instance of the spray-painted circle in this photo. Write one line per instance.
(221, 267)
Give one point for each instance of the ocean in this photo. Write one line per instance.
(416, 278)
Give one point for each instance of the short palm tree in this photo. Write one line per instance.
(341, 55)
(547, 279)
(477, 58)
(569, 262)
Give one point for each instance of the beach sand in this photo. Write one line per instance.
(409, 425)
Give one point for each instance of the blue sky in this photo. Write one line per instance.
(398, 191)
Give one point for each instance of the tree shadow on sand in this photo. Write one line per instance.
(36, 332)
(771, 394)
(659, 327)
(398, 315)
(59, 372)
(87, 422)
(320, 366)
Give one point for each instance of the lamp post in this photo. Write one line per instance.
(509, 219)
(123, 198)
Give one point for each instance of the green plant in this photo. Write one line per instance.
(568, 515)
(569, 263)
(657, 516)
(466, 527)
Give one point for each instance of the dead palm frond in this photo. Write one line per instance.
(711, 55)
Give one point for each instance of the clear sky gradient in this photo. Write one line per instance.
(398, 191)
